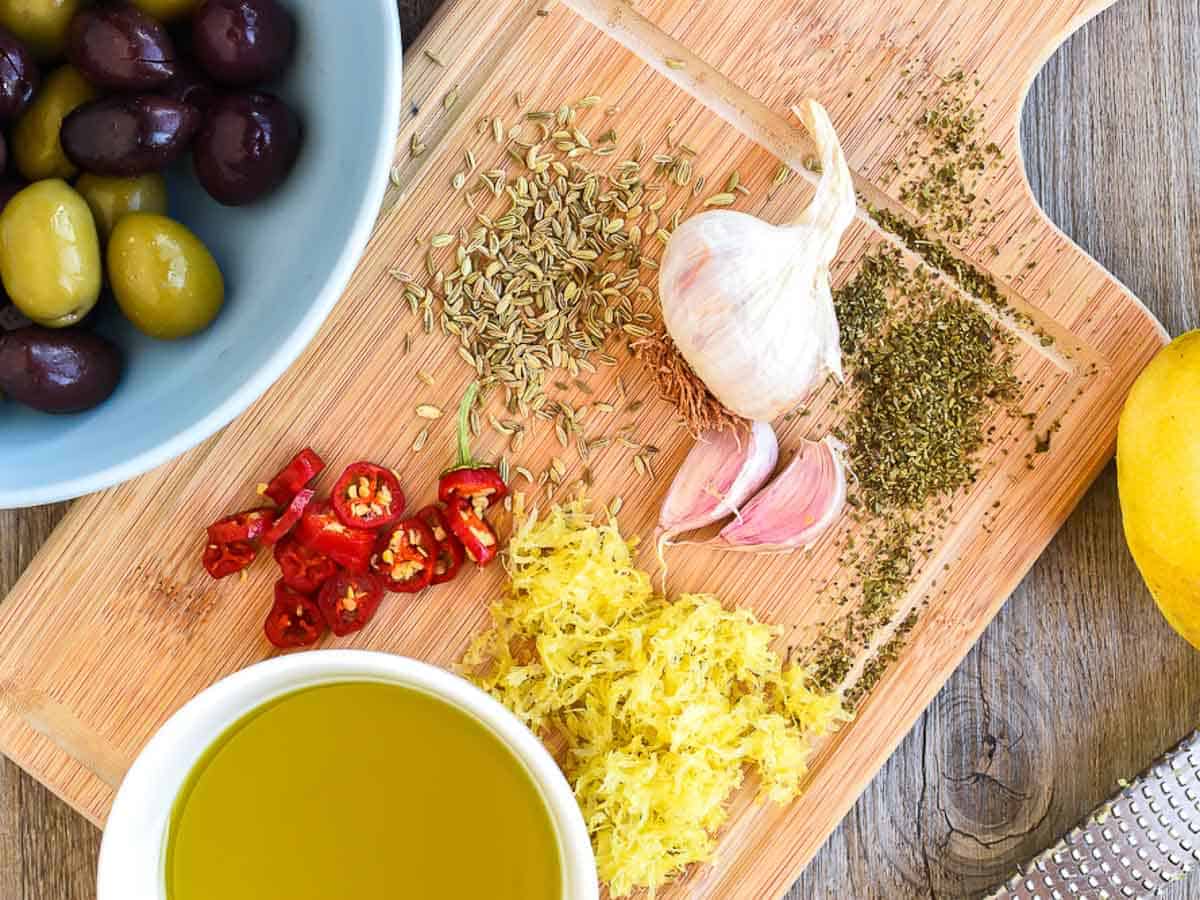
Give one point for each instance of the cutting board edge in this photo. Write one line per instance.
(1037, 65)
(876, 760)
(59, 758)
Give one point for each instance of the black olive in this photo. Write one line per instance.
(60, 370)
(19, 76)
(247, 146)
(128, 135)
(242, 42)
(120, 47)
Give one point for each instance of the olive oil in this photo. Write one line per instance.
(361, 791)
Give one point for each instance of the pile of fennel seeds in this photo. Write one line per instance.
(551, 272)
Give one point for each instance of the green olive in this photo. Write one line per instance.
(35, 144)
(167, 10)
(165, 280)
(112, 198)
(50, 254)
(42, 24)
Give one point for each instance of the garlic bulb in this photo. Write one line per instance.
(721, 472)
(796, 508)
(749, 303)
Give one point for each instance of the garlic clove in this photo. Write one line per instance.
(796, 508)
(720, 473)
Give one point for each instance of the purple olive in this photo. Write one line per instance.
(241, 42)
(190, 86)
(246, 148)
(128, 135)
(60, 370)
(118, 46)
(3, 153)
(19, 76)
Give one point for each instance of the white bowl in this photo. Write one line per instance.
(286, 261)
(132, 855)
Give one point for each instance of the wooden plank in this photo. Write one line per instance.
(141, 607)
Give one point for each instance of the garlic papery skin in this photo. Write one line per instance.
(721, 472)
(796, 508)
(749, 303)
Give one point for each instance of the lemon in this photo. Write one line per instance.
(1158, 474)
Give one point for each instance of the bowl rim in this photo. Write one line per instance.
(136, 830)
(288, 350)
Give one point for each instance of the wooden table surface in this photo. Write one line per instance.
(1078, 682)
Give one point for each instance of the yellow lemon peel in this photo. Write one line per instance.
(658, 709)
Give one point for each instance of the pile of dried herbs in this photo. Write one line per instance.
(925, 386)
(951, 160)
(928, 368)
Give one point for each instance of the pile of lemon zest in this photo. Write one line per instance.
(658, 710)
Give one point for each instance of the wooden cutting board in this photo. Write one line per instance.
(115, 625)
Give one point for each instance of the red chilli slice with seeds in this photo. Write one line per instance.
(367, 496)
(406, 556)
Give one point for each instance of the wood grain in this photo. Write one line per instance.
(979, 727)
(1078, 682)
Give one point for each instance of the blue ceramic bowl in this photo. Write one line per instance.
(286, 260)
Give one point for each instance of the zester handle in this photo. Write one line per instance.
(1145, 837)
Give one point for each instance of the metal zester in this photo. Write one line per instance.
(1145, 837)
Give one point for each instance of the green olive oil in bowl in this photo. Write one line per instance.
(363, 790)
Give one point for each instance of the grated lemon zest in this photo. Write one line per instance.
(658, 709)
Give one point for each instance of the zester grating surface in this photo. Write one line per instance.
(1147, 836)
